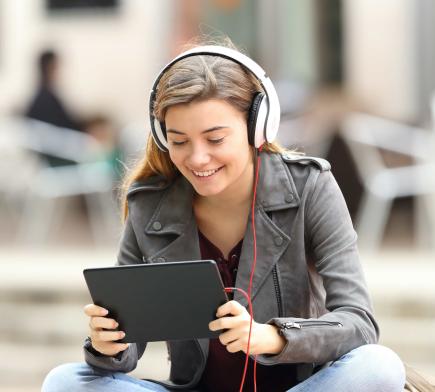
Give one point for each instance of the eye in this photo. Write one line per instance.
(216, 141)
(174, 143)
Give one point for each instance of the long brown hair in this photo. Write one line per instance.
(194, 78)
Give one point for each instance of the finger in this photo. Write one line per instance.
(230, 307)
(234, 347)
(225, 323)
(103, 322)
(121, 346)
(229, 336)
(118, 347)
(107, 336)
(95, 310)
(110, 348)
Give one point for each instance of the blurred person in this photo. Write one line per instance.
(210, 150)
(46, 105)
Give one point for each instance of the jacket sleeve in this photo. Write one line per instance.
(349, 322)
(126, 360)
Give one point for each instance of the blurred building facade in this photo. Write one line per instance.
(110, 56)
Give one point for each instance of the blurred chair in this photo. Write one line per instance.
(16, 168)
(46, 188)
(369, 138)
(133, 140)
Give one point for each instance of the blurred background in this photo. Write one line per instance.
(355, 78)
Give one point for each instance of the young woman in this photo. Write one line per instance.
(211, 172)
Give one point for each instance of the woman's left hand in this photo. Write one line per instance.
(264, 337)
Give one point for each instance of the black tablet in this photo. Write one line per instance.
(156, 302)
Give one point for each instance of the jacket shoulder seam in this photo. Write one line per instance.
(152, 184)
(313, 177)
(321, 163)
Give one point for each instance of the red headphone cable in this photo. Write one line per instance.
(248, 295)
(245, 294)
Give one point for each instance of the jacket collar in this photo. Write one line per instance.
(276, 188)
(276, 191)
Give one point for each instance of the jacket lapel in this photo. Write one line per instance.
(271, 244)
(174, 219)
(276, 191)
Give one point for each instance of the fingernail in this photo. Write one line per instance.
(105, 312)
(122, 334)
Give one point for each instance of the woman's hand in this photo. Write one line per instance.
(264, 337)
(103, 331)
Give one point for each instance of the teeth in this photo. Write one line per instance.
(205, 173)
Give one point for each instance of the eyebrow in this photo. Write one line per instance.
(171, 130)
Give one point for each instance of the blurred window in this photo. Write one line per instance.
(80, 4)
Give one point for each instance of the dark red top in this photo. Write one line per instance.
(224, 370)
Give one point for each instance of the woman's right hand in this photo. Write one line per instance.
(103, 331)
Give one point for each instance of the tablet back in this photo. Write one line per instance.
(165, 301)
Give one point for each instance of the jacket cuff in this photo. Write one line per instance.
(124, 362)
(274, 359)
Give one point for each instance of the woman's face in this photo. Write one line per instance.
(208, 143)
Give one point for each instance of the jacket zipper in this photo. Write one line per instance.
(305, 324)
(277, 290)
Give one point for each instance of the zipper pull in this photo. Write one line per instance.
(290, 325)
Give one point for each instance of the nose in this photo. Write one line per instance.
(198, 157)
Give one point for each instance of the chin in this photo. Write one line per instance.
(205, 189)
(207, 192)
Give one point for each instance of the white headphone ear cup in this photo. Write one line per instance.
(272, 126)
(260, 126)
(274, 113)
(159, 136)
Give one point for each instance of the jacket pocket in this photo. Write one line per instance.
(308, 324)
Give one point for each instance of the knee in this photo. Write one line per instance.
(385, 369)
(65, 378)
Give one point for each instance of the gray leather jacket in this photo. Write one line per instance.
(308, 279)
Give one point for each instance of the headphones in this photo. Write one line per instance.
(264, 113)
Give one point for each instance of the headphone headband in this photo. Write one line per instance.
(272, 116)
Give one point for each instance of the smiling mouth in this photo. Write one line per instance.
(207, 173)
